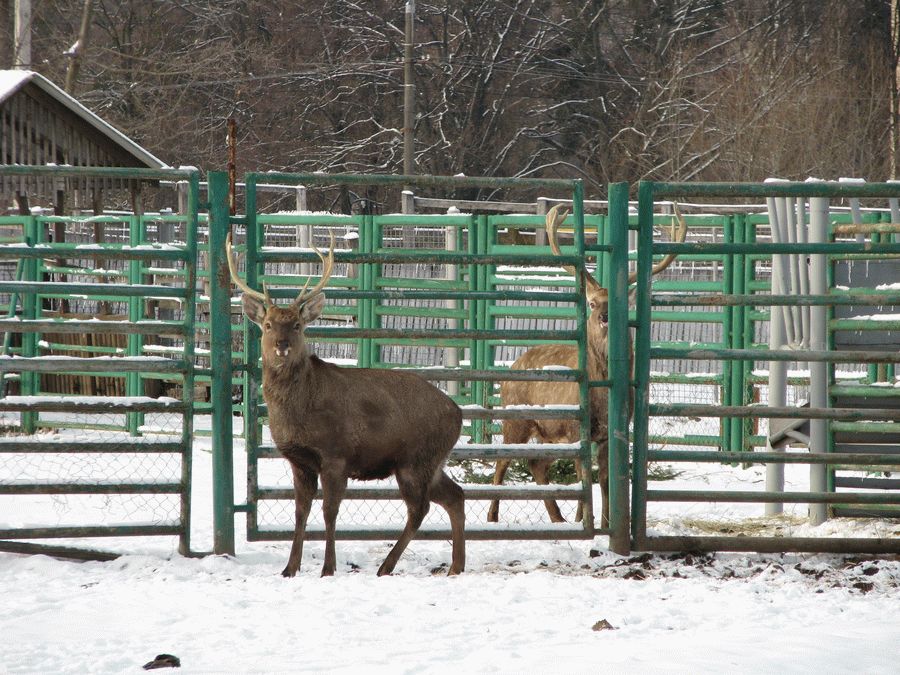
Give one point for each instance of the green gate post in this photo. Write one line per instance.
(619, 370)
(30, 382)
(642, 366)
(133, 383)
(220, 360)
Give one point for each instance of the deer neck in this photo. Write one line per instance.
(285, 381)
(597, 350)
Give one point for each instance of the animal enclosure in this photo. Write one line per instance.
(456, 298)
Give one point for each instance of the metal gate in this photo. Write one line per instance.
(98, 409)
(375, 308)
(873, 411)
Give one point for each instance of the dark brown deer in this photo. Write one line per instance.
(565, 393)
(339, 423)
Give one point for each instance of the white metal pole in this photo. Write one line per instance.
(22, 35)
(818, 370)
(777, 369)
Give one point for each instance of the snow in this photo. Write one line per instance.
(520, 607)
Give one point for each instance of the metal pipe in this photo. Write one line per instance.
(777, 369)
(818, 341)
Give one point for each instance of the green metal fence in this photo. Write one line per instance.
(456, 298)
(458, 322)
(108, 441)
(823, 417)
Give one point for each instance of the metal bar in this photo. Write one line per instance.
(102, 172)
(451, 374)
(789, 412)
(774, 355)
(220, 355)
(437, 333)
(90, 531)
(771, 544)
(88, 489)
(744, 496)
(485, 451)
(689, 300)
(418, 181)
(437, 294)
(76, 326)
(382, 493)
(289, 255)
(81, 405)
(642, 361)
(144, 253)
(110, 290)
(620, 356)
(101, 364)
(838, 247)
(714, 457)
(15, 444)
(818, 341)
(775, 189)
(547, 532)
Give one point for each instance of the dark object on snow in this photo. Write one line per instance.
(163, 661)
(603, 624)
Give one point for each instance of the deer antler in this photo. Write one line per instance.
(303, 296)
(678, 237)
(240, 283)
(327, 266)
(554, 220)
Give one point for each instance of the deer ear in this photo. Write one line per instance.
(312, 308)
(254, 308)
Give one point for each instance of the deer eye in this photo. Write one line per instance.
(593, 305)
(268, 325)
(297, 326)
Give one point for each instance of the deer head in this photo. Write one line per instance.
(282, 327)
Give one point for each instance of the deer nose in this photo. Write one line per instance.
(282, 347)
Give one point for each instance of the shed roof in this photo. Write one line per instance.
(11, 81)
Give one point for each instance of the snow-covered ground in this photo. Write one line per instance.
(521, 606)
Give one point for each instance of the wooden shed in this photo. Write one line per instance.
(40, 124)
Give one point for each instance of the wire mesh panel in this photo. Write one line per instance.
(416, 286)
(98, 366)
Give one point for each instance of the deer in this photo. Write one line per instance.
(333, 424)
(537, 393)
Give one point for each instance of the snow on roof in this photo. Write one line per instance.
(12, 81)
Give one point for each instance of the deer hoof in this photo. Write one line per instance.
(287, 573)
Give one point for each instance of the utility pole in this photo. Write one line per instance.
(79, 47)
(895, 83)
(409, 92)
(22, 39)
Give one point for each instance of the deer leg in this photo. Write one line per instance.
(334, 485)
(579, 512)
(447, 494)
(500, 470)
(603, 480)
(305, 480)
(540, 469)
(415, 494)
(514, 431)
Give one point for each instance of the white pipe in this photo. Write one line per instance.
(818, 370)
(802, 237)
(777, 374)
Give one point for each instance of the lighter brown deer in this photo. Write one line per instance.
(538, 393)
